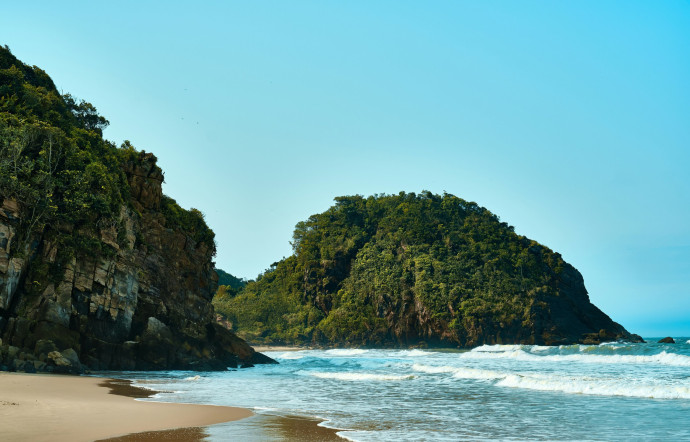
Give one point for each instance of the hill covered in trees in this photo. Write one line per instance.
(98, 268)
(415, 270)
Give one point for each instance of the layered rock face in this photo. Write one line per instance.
(142, 303)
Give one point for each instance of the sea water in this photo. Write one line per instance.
(612, 391)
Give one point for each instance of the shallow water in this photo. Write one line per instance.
(612, 391)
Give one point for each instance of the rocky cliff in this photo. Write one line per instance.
(143, 305)
(98, 269)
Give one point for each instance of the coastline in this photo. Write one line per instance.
(75, 408)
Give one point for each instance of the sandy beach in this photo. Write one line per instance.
(70, 408)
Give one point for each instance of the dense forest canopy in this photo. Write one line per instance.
(406, 269)
(56, 165)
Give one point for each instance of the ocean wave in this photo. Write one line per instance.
(459, 372)
(499, 348)
(346, 352)
(599, 387)
(662, 358)
(477, 373)
(291, 355)
(193, 378)
(564, 384)
(414, 352)
(432, 369)
(341, 376)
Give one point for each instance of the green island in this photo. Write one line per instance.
(415, 270)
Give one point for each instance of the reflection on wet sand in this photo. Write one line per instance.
(260, 427)
(265, 427)
(193, 434)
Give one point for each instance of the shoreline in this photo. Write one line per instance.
(264, 348)
(76, 408)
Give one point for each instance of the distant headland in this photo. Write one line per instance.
(419, 270)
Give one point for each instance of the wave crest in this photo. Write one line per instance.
(346, 376)
(523, 354)
(599, 387)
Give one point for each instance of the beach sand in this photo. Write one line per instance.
(72, 408)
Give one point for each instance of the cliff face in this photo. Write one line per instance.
(417, 270)
(142, 303)
(567, 318)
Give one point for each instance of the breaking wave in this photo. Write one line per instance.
(345, 352)
(584, 355)
(564, 384)
(344, 376)
(599, 387)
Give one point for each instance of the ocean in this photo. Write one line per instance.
(612, 391)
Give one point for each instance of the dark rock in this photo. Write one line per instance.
(667, 340)
(637, 338)
(28, 367)
(43, 347)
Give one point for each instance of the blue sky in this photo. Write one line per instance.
(569, 120)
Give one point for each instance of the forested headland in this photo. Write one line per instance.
(98, 269)
(415, 270)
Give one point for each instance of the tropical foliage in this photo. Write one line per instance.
(68, 181)
(396, 270)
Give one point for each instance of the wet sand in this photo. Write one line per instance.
(72, 408)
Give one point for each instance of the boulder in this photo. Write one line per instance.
(667, 340)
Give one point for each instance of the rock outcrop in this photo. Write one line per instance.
(142, 303)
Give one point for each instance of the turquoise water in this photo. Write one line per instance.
(612, 391)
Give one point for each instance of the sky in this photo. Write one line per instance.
(569, 120)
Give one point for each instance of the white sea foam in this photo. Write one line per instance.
(565, 384)
(496, 348)
(358, 376)
(688, 341)
(431, 369)
(292, 355)
(590, 386)
(477, 373)
(459, 372)
(662, 358)
(346, 352)
(415, 352)
(193, 378)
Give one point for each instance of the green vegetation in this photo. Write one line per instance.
(70, 183)
(397, 270)
(229, 286)
(225, 278)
